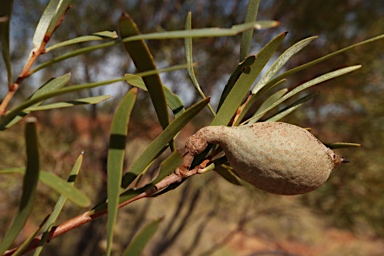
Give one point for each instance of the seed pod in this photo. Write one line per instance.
(275, 157)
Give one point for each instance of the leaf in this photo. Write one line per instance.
(227, 175)
(53, 84)
(194, 33)
(308, 84)
(167, 167)
(246, 37)
(57, 184)
(245, 81)
(265, 24)
(254, 98)
(235, 76)
(73, 54)
(5, 121)
(70, 103)
(269, 101)
(63, 188)
(136, 81)
(321, 59)
(143, 60)
(173, 101)
(103, 35)
(161, 141)
(59, 205)
(5, 14)
(188, 56)
(20, 250)
(292, 107)
(279, 63)
(48, 21)
(29, 186)
(203, 32)
(136, 247)
(74, 88)
(116, 154)
(337, 145)
(163, 70)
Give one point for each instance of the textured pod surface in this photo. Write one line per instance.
(276, 157)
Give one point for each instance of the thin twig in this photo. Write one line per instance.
(88, 216)
(12, 88)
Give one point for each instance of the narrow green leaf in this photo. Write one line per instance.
(163, 70)
(336, 145)
(245, 81)
(279, 63)
(189, 58)
(246, 37)
(308, 84)
(63, 188)
(161, 141)
(70, 103)
(167, 167)
(5, 14)
(7, 118)
(50, 86)
(292, 107)
(173, 101)
(74, 54)
(137, 79)
(321, 59)
(195, 33)
(226, 173)
(20, 250)
(116, 154)
(103, 35)
(136, 247)
(49, 20)
(203, 32)
(59, 205)
(57, 184)
(47, 95)
(234, 76)
(144, 61)
(254, 98)
(269, 101)
(29, 185)
(265, 24)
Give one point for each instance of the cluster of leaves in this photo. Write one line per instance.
(239, 96)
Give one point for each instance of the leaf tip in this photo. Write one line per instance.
(31, 119)
(135, 90)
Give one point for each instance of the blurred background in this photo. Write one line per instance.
(207, 215)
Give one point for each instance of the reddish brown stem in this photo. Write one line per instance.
(88, 216)
(12, 88)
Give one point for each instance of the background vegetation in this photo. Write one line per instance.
(199, 216)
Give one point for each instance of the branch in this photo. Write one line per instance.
(177, 177)
(12, 88)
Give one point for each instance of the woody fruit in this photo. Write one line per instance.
(276, 157)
